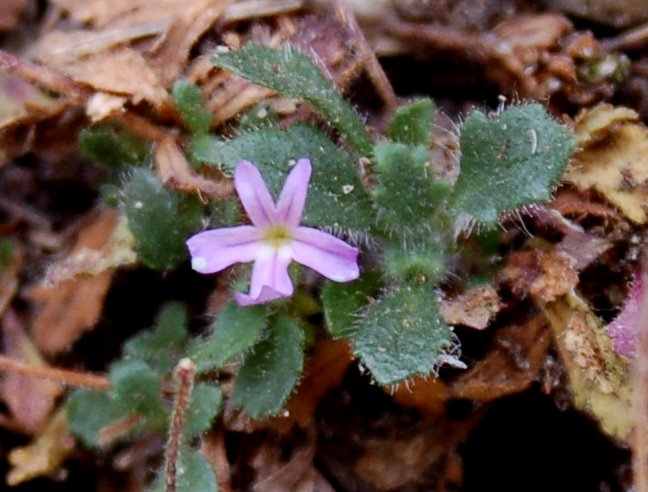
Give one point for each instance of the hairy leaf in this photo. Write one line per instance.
(508, 161)
(342, 303)
(161, 346)
(270, 371)
(160, 220)
(292, 73)
(412, 124)
(205, 404)
(408, 194)
(189, 101)
(114, 148)
(402, 335)
(235, 330)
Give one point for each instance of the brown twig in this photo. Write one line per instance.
(44, 77)
(63, 376)
(185, 373)
(374, 70)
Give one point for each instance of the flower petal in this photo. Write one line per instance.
(254, 194)
(326, 254)
(292, 200)
(270, 279)
(213, 250)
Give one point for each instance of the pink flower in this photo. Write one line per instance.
(274, 239)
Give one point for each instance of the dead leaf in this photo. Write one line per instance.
(45, 455)
(598, 378)
(120, 71)
(545, 275)
(101, 105)
(30, 400)
(68, 304)
(427, 395)
(510, 367)
(613, 158)
(9, 277)
(474, 308)
(324, 370)
(175, 171)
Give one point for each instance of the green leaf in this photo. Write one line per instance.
(195, 474)
(270, 371)
(189, 101)
(408, 259)
(402, 335)
(205, 404)
(508, 161)
(342, 303)
(235, 330)
(114, 148)
(136, 388)
(408, 194)
(161, 346)
(90, 410)
(336, 197)
(292, 73)
(160, 220)
(412, 124)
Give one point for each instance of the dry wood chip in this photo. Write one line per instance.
(510, 367)
(474, 308)
(30, 400)
(175, 171)
(45, 454)
(613, 159)
(70, 299)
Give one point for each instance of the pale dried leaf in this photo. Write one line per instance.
(45, 455)
(474, 308)
(598, 378)
(175, 171)
(101, 105)
(21, 102)
(30, 400)
(613, 159)
(65, 312)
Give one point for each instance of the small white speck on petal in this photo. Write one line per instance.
(138, 204)
(346, 189)
(198, 263)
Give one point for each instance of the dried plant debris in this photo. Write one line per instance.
(472, 247)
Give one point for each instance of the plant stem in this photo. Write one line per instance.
(185, 373)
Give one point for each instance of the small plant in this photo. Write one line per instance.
(340, 193)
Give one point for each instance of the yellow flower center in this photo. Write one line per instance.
(277, 236)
